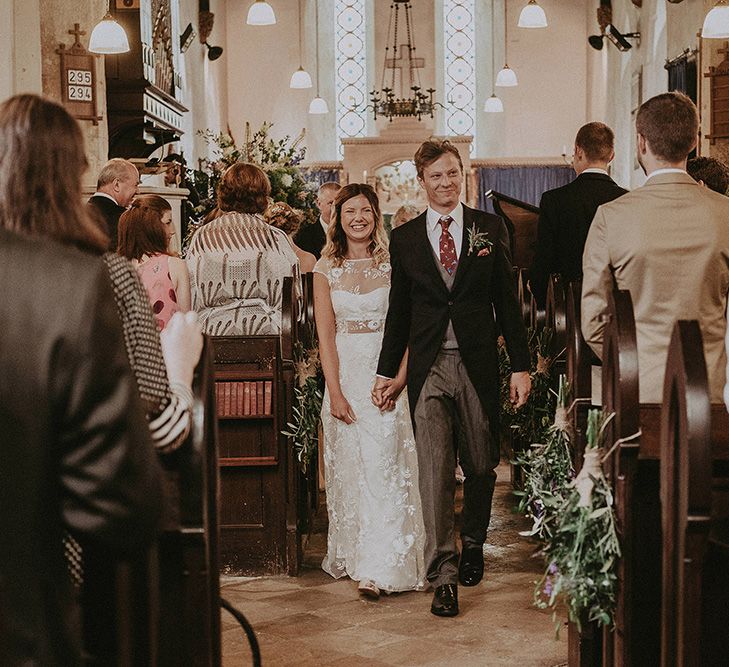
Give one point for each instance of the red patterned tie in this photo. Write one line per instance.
(448, 257)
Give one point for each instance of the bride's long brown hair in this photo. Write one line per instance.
(336, 245)
(41, 163)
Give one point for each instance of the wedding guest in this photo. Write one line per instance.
(76, 450)
(145, 232)
(237, 262)
(282, 216)
(376, 534)
(163, 368)
(668, 244)
(710, 172)
(565, 213)
(404, 214)
(311, 238)
(115, 188)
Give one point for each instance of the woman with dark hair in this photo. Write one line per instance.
(376, 534)
(40, 197)
(237, 262)
(145, 231)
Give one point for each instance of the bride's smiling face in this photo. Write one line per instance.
(357, 219)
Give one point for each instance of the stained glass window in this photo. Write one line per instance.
(350, 69)
(460, 66)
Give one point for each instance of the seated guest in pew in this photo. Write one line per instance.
(145, 231)
(565, 213)
(116, 186)
(75, 446)
(312, 238)
(710, 172)
(163, 368)
(288, 220)
(668, 244)
(238, 261)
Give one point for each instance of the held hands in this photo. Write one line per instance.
(341, 409)
(521, 386)
(385, 393)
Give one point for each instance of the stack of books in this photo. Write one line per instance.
(243, 399)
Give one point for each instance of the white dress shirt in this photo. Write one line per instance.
(594, 170)
(323, 224)
(669, 170)
(432, 219)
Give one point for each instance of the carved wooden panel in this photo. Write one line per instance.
(719, 96)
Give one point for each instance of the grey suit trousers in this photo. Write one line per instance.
(449, 417)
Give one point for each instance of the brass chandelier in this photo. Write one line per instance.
(417, 102)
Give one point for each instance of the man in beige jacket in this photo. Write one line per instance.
(668, 244)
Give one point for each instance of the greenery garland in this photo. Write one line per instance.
(583, 549)
(547, 470)
(304, 429)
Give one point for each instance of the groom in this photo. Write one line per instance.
(452, 288)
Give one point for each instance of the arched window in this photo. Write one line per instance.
(459, 54)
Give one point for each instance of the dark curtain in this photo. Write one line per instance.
(320, 176)
(682, 75)
(526, 184)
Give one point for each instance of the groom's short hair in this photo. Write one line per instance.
(431, 150)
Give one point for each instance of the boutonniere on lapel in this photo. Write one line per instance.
(478, 242)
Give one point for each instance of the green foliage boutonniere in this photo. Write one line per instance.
(478, 241)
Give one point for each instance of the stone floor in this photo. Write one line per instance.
(313, 620)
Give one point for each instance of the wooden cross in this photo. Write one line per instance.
(76, 32)
(403, 61)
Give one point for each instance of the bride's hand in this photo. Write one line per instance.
(341, 409)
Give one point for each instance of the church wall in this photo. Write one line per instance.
(20, 36)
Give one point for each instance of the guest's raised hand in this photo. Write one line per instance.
(182, 343)
(341, 409)
(521, 386)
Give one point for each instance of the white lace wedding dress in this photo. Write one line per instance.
(375, 516)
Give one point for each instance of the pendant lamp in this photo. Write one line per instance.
(506, 78)
(108, 37)
(532, 16)
(260, 13)
(493, 104)
(716, 23)
(300, 78)
(318, 105)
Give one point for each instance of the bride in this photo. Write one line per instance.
(375, 515)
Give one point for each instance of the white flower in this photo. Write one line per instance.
(228, 150)
(337, 272)
(384, 267)
(287, 180)
(373, 324)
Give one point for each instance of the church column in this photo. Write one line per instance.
(21, 37)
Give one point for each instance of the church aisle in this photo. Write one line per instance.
(313, 620)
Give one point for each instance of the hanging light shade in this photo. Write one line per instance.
(300, 79)
(493, 105)
(716, 23)
(318, 106)
(506, 78)
(532, 16)
(108, 37)
(260, 13)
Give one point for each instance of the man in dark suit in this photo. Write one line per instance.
(565, 213)
(115, 189)
(451, 272)
(313, 237)
(76, 452)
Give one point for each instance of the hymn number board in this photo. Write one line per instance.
(78, 79)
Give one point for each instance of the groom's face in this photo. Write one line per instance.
(442, 181)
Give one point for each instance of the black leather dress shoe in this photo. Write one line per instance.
(445, 600)
(470, 570)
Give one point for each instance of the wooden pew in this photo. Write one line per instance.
(695, 564)
(521, 221)
(524, 295)
(556, 321)
(634, 470)
(584, 647)
(260, 529)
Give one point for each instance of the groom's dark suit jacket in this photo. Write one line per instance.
(565, 216)
(421, 305)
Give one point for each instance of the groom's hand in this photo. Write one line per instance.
(378, 398)
(521, 386)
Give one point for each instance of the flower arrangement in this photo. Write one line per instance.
(279, 159)
(304, 429)
(479, 242)
(583, 549)
(548, 470)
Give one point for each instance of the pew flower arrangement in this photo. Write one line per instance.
(304, 430)
(548, 471)
(583, 550)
